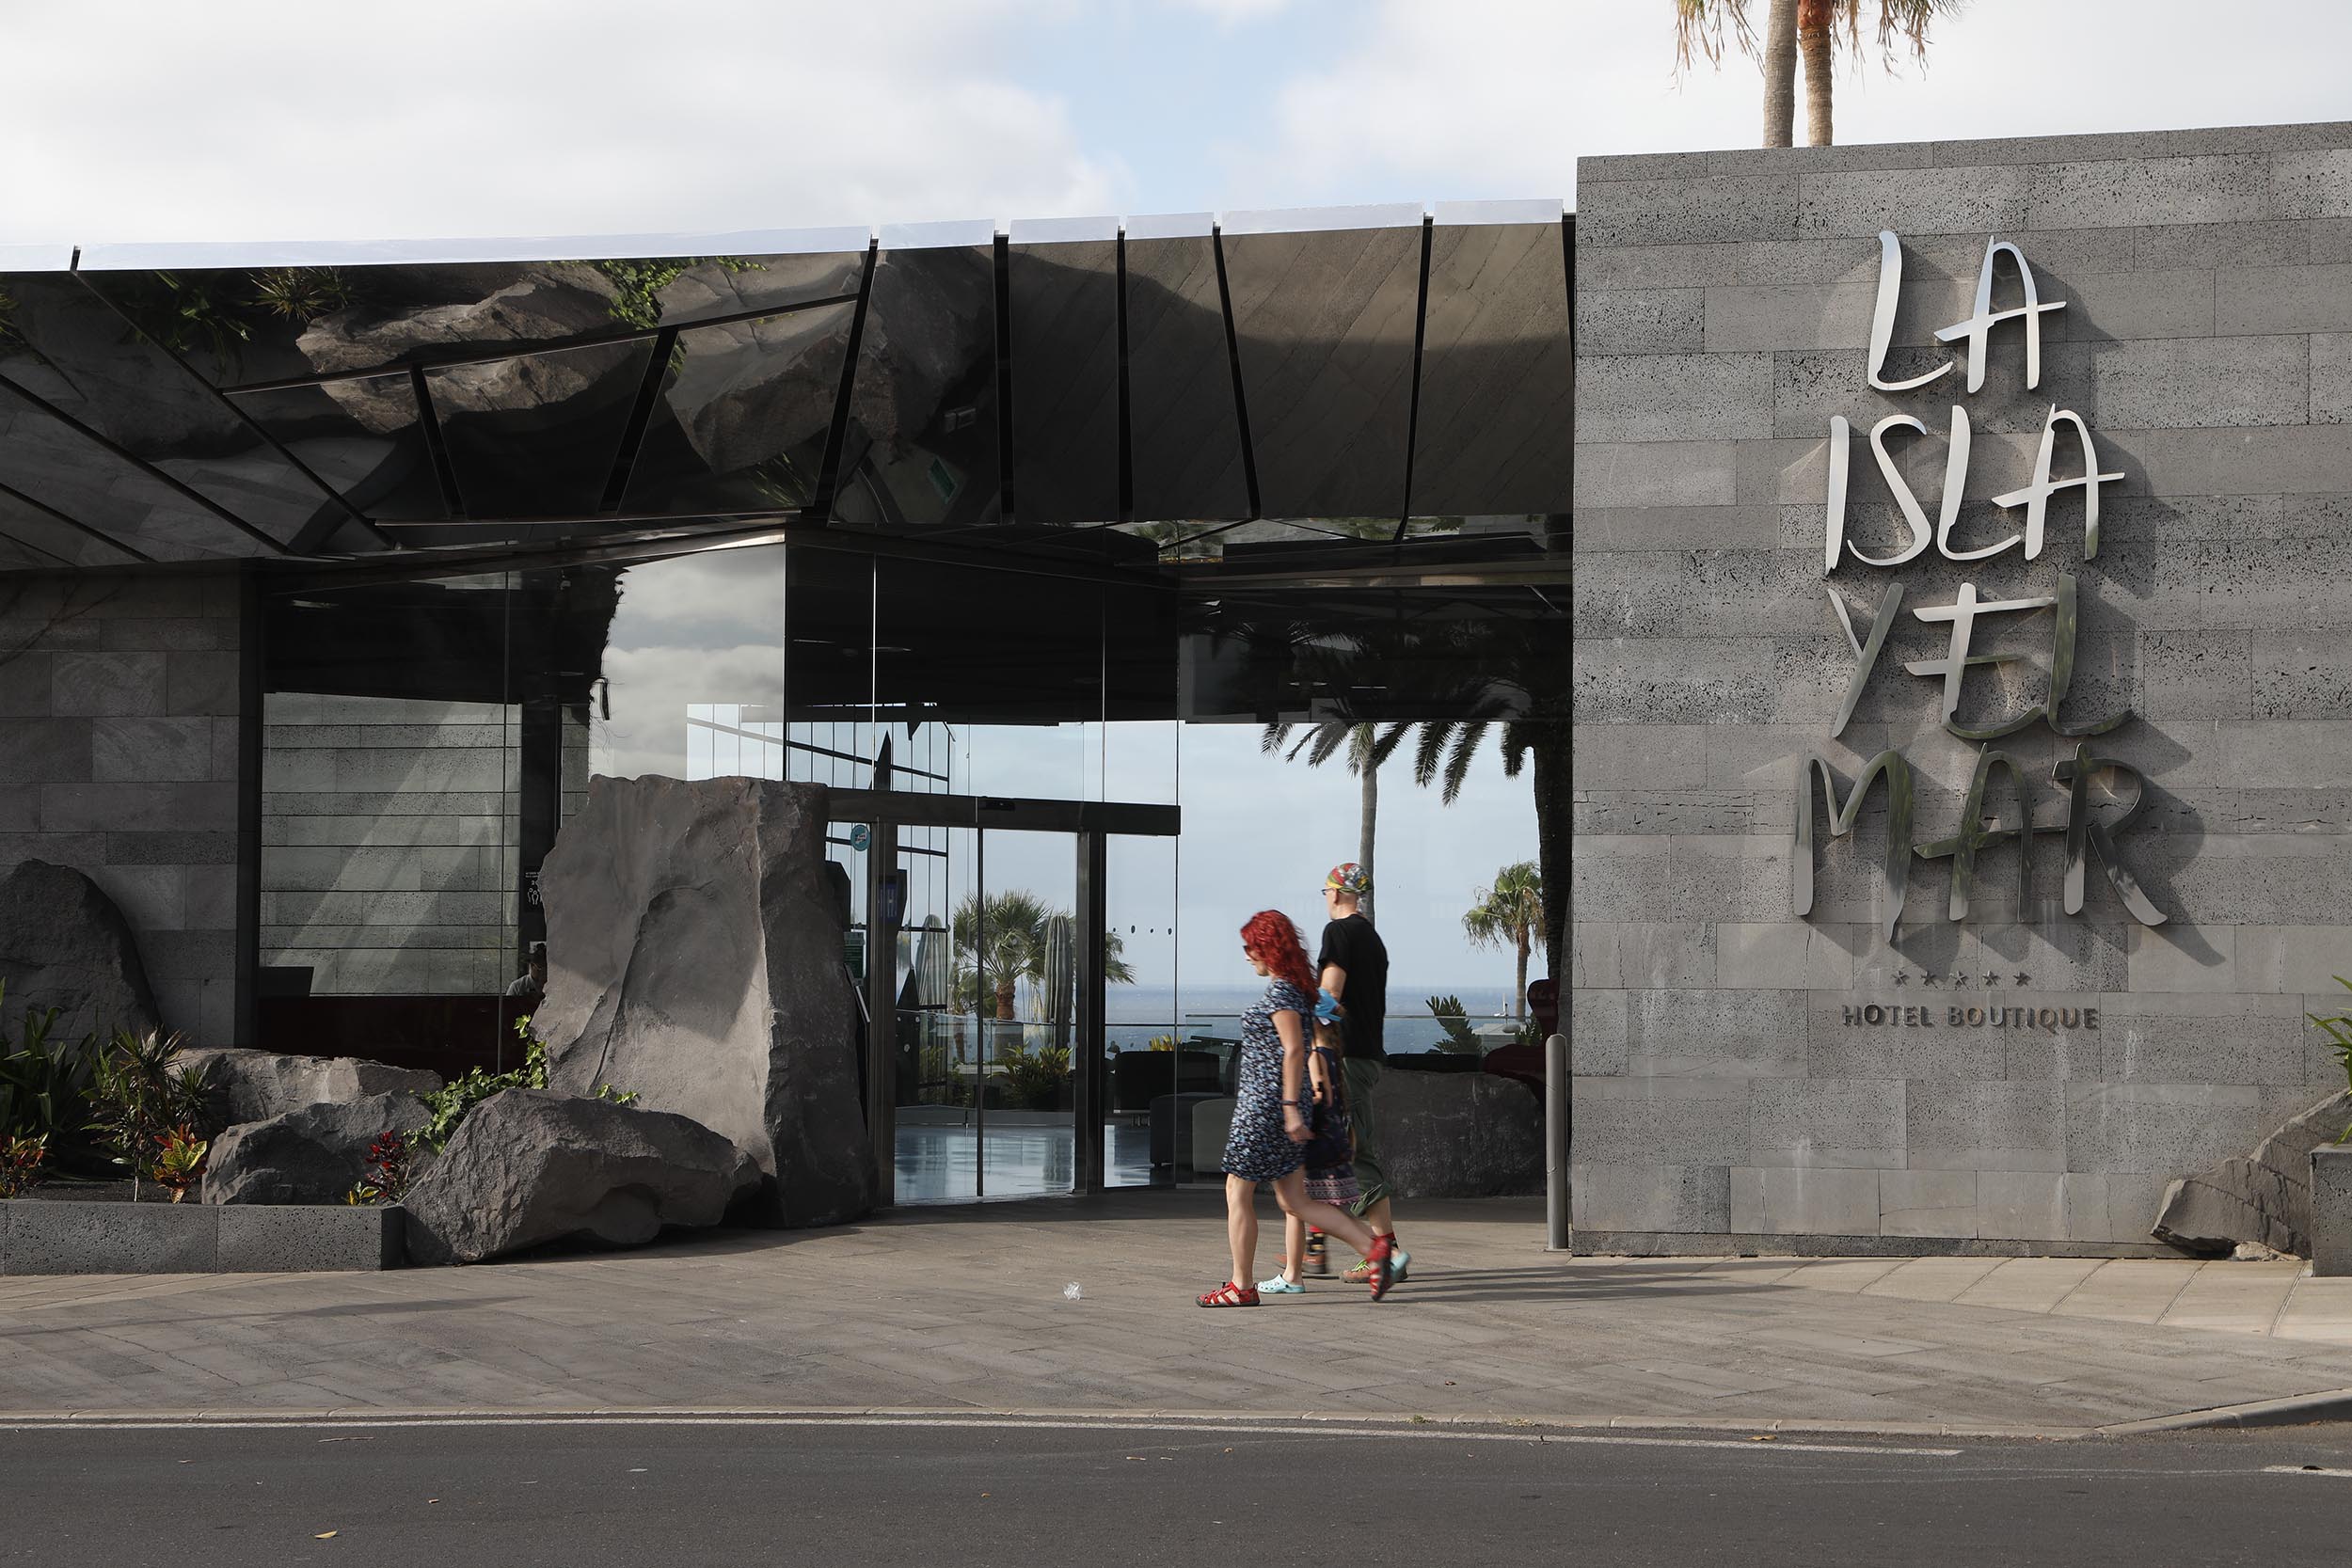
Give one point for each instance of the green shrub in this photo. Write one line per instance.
(1455, 1019)
(452, 1103)
(144, 1107)
(2338, 1030)
(44, 1084)
(1033, 1080)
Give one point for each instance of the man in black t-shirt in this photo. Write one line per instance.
(1354, 967)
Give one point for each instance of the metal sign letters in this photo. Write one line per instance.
(2086, 836)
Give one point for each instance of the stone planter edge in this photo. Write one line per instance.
(40, 1235)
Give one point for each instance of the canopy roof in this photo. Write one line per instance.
(1268, 388)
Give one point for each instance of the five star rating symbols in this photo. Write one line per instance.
(1928, 977)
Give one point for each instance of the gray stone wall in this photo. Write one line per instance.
(388, 837)
(1724, 308)
(118, 740)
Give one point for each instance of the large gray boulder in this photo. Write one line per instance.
(259, 1085)
(315, 1154)
(530, 1166)
(64, 945)
(1458, 1134)
(2265, 1198)
(694, 959)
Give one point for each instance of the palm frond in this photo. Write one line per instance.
(1458, 764)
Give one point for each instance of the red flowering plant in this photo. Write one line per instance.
(21, 1160)
(388, 1171)
(177, 1162)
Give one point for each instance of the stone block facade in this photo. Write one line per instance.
(1729, 1090)
(389, 843)
(119, 756)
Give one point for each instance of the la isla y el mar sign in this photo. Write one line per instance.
(2087, 835)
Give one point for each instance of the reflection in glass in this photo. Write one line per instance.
(392, 917)
(744, 410)
(1184, 430)
(67, 348)
(362, 436)
(1498, 373)
(241, 327)
(1324, 325)
(1064, 305)
(921, 445)
(54, 466)
(689, 678)
(536, 436)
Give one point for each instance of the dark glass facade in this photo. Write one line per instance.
(1087, 512)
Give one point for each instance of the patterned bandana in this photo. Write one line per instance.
(1350, 879)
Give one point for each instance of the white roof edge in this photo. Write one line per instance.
(1532, 210)
(939, 236)
(1171, 225)
(131, 255)
(1314, 220)
(1063, 231)
(354, 253)
(35, 258)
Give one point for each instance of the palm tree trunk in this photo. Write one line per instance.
(1519, 1008)
(1813, 42)
(1780, 74)
(1367, 814)
(1547, 754)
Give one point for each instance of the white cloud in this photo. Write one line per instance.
(270, 119)
(1234, 13)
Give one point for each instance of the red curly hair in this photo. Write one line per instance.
(1269, 938)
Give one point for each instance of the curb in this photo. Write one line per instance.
(1109, 1419)
(2333, 1405)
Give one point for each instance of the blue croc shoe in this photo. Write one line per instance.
(1281, 1285)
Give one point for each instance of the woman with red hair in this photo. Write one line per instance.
(1268, 1142)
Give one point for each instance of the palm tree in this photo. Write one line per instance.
(1367, 749)
(1810, 28)
(1509, 912)
(1007, 938)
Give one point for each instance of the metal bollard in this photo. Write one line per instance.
(1557, 1144)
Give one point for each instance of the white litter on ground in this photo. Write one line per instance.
(1071, 1292)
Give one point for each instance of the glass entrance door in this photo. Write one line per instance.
(986, 956)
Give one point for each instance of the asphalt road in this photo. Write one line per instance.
(454, 1495)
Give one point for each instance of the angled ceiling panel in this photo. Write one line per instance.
(1185, 428)
(1064, 304)
(1324, 323)
(1497, 374)
(69, 351)
(58, 469)
(921, 444)
(742, 414)
(536, 436)
(361, 436)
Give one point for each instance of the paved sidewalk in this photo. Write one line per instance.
(966, 1309)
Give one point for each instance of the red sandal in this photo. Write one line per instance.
(1231, 1294)
(1380, 1265)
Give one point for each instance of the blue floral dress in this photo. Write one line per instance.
(1257, 1149)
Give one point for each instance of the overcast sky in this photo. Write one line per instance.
(161, 119)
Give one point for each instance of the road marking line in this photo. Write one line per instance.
(2301, 1470)
(1438, 1434)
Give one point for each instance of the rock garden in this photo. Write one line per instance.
(694, 1061)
